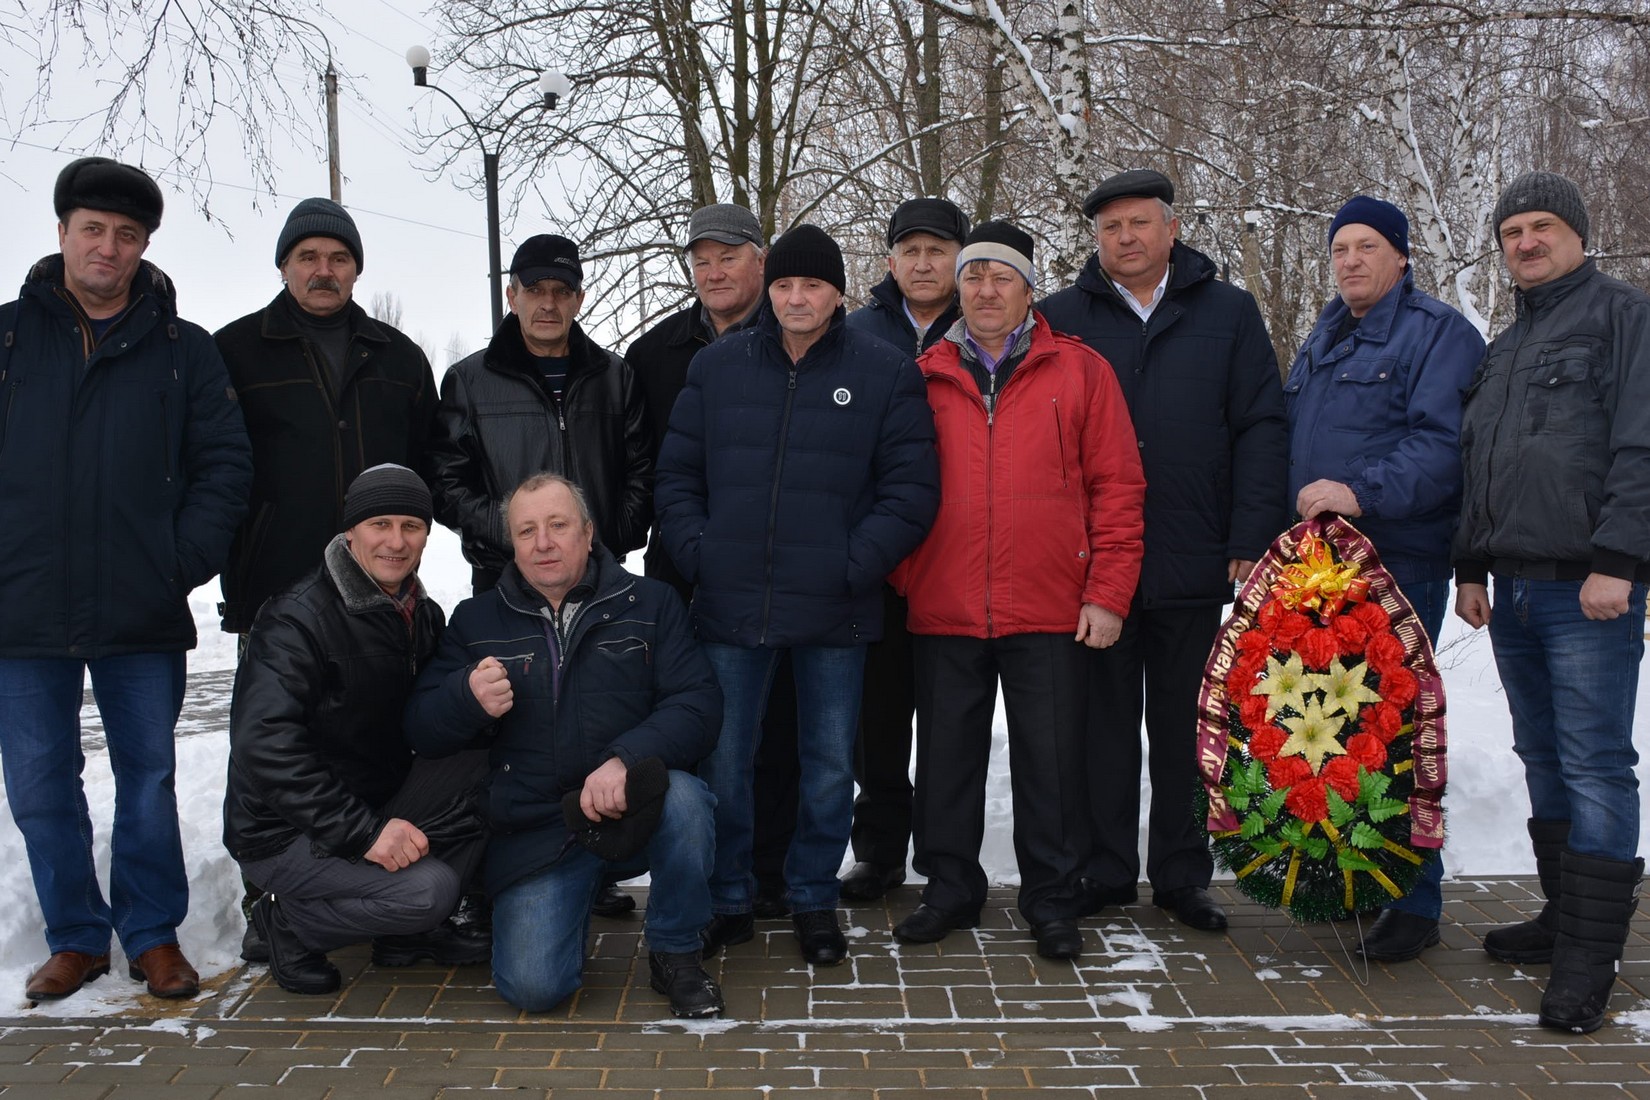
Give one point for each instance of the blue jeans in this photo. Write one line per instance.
(139, 697)
(1570, 684)
(1430, 599)
(829, 680)
(540, 924)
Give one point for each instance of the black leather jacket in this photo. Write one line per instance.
(1555, 437)
(498, 426)
(315, 745)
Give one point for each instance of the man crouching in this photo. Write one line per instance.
(327, 809)
(575, 673)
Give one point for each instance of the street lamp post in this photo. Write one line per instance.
(553, 87)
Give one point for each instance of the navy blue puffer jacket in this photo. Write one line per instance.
(787, 493)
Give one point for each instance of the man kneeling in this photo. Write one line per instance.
(575, 671)
(323, 792)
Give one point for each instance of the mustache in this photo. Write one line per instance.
(324, 282)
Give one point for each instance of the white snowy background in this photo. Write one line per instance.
(1486, 805)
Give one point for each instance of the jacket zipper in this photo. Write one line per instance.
(11, 399)
(773, 504)
(1060, 437)
(166, 435)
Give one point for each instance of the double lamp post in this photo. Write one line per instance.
(553, 87)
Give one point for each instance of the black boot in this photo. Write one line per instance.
(1596, 902)
(693, 993)
(447, 944)
(1532, 941)
(294, 967)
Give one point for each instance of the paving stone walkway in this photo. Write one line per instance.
(1263, 1011)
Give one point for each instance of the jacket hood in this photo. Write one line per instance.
(1187, 267)
(359, 591)
(47, 276)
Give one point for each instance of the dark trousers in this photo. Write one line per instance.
(882, 752)
(331, 902)
(1043, 691)
(1155, 669)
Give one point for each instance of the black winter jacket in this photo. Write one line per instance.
(315, 745)
(1202, 384)
(124, 468)
(1556, 435)
(788, 492)
(309, 443)
(884, 317)
(498, 426)
(630, 682)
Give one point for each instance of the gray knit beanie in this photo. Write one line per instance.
(319, 218)
(386, 490)
(1547, 191)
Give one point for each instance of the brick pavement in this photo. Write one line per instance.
(1264, 1011)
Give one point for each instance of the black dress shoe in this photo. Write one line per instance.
(1058, 939)
(446, 944)
(1397, 936)
(294, 967)
(927, 924)
(726, 930)
(769, 903)
(869, 881)
(823, 943)
(474, 913)
(612, 902)
(693, 993)
(1194, 908)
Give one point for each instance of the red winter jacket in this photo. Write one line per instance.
(1040, 508)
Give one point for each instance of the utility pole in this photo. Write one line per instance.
(332, 129)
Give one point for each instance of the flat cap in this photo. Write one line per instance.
(1135, 183)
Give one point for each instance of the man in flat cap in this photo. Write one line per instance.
(798, 470)
(327, 392)
(541, 397)
(1202, 385)
(1374, 403)
(124, 468)
(325, 807)
(1030, 567)
(724, 255)
(912, 308)
(1556, 448)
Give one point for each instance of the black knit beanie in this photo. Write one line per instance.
(386, 490)
(806, 252)
(319, 218)
(1001, 241)
(1547, 191)
(98, 183)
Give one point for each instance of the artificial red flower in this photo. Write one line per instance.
(1286, 771)
(1254, 642)
(1383, 720)
(1341, 774)
(1252, 709)
(1283, 625)
(1240, 684)
(1266, 740)
(1307, 800)
(1373, 616)
(1384, 652)
(1317, 647)
(1365, 749)
(1350, 635)
(1398, 687)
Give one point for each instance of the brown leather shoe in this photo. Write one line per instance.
(65, 972)
(166, 971)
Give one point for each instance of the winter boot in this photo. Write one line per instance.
(1532, 941)
(1596, 902)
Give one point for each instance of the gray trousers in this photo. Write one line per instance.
(331, 902)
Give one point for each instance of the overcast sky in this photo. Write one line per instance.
(424, 240)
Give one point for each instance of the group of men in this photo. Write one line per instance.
(901, 508)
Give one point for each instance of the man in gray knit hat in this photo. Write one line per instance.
(1556, 454)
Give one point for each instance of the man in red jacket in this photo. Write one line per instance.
(1032, 561)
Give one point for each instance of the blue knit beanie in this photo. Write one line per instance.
(1379, 215)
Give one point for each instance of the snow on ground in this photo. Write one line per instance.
(1486, 805)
